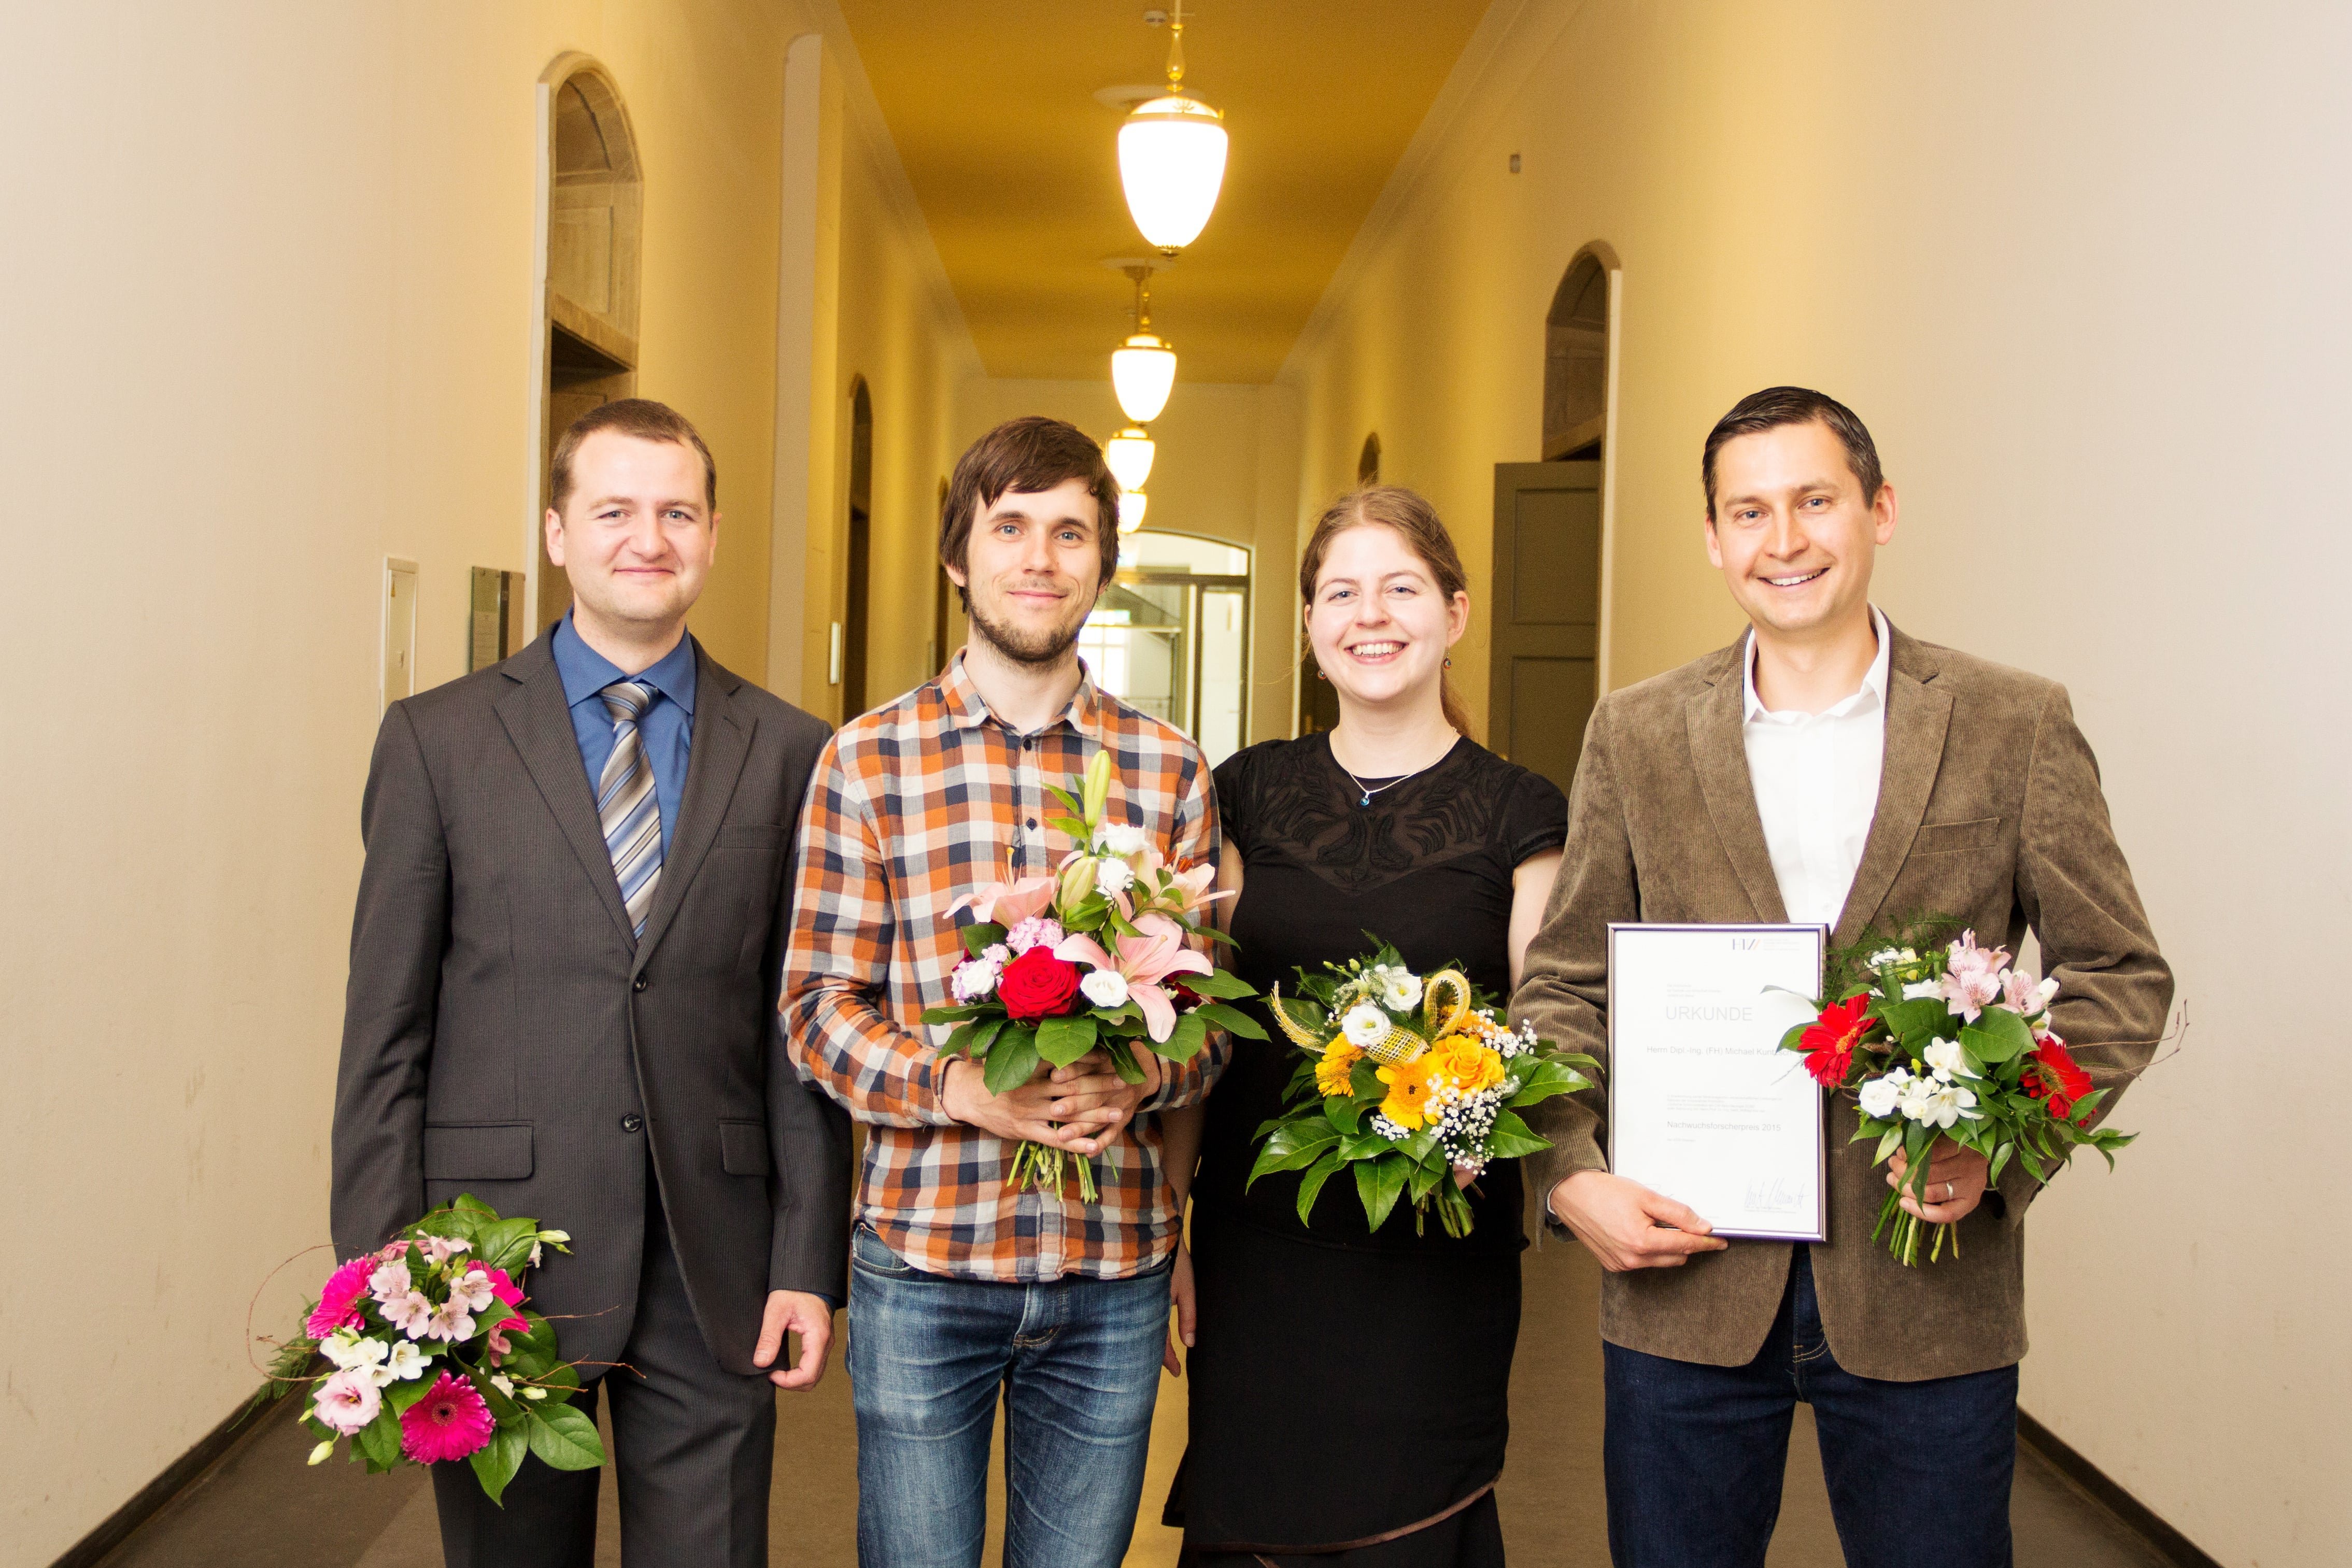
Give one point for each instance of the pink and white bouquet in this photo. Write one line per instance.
(432, 1354)
(1097, 957)
(1950, 1042)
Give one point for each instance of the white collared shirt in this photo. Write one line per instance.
(1816, 780)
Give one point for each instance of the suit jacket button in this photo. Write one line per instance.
(633, 1123)
(640, 983)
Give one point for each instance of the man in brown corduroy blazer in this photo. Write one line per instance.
(1825, 768)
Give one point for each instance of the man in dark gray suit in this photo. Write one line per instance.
(563, 999)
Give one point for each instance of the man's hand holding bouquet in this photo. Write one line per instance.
(1095, 960)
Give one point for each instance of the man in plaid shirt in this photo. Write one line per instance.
(963, 1285)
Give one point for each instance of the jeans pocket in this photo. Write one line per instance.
(868, 1251)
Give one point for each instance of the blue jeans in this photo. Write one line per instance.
(1918, 1473)
(1079, 1361)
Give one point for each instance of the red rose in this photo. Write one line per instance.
(2055, 1073)
(1037, 985)
(1829, 1043)
(1185, 997)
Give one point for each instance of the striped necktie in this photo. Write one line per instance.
(627, 806)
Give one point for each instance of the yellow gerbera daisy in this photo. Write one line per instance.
(1409, 1088)
(1335, 1073)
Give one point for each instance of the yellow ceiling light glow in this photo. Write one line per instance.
(1129, 455)
(1131, 505)
(1171, 157)
(1143, 369)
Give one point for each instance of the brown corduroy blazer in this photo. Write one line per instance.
(1988, 809)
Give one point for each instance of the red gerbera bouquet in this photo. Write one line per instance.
(1097, 957)
(1951, 1042)
(432, 1354)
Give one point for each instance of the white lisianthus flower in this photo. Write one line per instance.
(1916, 989)
(1880, 1094)
(1103, 987)
(1400, 989)
(1944, 1056)
(1113, 876)
(1365, 1026)
(503, 1384)
(405, 1362)
(1120, 839)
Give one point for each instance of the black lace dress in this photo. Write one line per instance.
(1349, 1389)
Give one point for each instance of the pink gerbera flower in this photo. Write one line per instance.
(338, 1298)
(449, 1423)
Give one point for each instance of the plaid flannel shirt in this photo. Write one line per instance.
(914, 806)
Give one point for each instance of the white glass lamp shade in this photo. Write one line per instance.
(1142, 372)
(1129, 455)
(1171, 159)
(1132, 507)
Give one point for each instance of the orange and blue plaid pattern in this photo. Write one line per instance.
(914, 806)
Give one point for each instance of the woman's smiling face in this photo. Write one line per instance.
(1379, 624)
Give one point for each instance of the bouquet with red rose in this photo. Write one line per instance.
(1097, 955)
(432, 1354)
(1950, 1041)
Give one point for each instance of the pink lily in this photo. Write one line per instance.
(1188, 891)
(1008, 903)
(1144, 962)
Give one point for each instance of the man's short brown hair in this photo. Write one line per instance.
(638, 416)
(1776, 406)
(1027, 455)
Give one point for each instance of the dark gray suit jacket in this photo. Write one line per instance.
(504, 1034)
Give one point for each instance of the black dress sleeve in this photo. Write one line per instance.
(1534, 820)
(1232, 777)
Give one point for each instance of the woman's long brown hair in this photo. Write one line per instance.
(1411, 515)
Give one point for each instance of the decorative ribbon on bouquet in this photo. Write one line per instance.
(1400, 1045)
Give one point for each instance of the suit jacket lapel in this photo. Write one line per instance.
(722, 742)
(539, 721)
(1714, 719)
(1918, 711)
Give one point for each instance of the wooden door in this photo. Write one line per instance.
(1545, 674)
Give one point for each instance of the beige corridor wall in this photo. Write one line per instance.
(1225, 467)
(2080, 266)
(270, 319)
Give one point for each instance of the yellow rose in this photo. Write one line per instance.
(1335, 1073)
(1468, 1063)
(1409, 1088)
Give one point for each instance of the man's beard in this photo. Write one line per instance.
(1038, 648)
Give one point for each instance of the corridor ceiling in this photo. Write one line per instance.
(993, 110)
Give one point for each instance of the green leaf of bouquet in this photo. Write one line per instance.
(959, 1039)
(2000, 1159)
(467, 1200)
(400, 1395)
(1219, 984)
(1547, 1079)
(564, 1439)
(1232, 1020)
(1011, 1061)
(1119, 922)
(1422, 1177)
(983, 1035)
(1069, 802)
(1920, 1018)
(979, 935)
(1295, 1144)
(1998, 1035)
(1185, 1041)
(495, 1462)
(1062, 1041)
(379, 1441)
(1364, 1078)
(1310, 1185)
(1888, 1145)
(1064, 824)
(1418, 1147)
(1378, 1182)
(506, 1244)
(957, 1012)
(1345, 1114)
(1365, 1146)
(1513, 1139)
(1795, 1037)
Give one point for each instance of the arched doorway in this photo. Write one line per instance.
(859, 550)
(1544, 672)
(594, 202)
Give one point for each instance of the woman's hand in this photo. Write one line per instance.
(1179, 1290)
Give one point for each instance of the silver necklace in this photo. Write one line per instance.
(1367, 794)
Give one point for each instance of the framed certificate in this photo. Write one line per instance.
(1704, 1105)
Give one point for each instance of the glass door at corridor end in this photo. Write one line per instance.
(1171, 636)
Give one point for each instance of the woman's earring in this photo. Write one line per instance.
(1449, 663)
(1321, 676)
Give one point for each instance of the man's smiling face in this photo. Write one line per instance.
(1791, 529)
(1033, 569)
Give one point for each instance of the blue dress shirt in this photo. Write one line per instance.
(666, 728)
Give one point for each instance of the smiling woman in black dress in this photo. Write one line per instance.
(1350, 1399)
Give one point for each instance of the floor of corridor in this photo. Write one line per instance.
(261, 1506)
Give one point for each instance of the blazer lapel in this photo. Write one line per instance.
(539, 721)
(1714, 719)
(722, 742)
(1918, 711)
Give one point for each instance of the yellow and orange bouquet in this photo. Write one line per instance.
(1408, 1079)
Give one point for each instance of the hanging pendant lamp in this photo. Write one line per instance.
(1143, 369)
(1171, 157)
(1132, 505)
(1129, 455)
